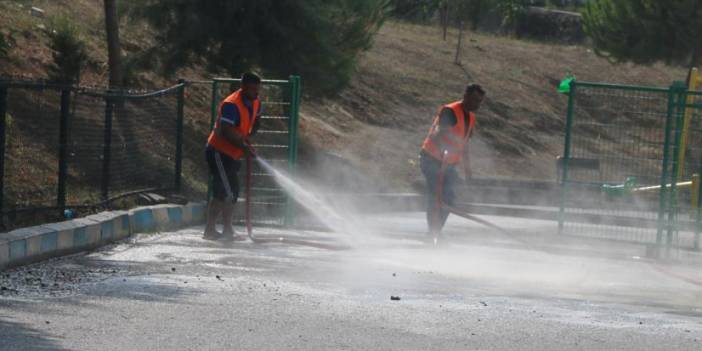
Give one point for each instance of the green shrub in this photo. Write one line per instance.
(4, 46)
(68, 52)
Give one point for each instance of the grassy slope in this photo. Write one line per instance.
(380, 121)
(29, 57)
(30, 54)
(376, 125)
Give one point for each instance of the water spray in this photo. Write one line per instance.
(268, 239)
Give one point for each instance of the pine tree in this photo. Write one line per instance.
(646, 31)
(318, 39)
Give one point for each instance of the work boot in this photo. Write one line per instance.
(213, 235)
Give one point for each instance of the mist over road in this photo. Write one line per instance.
(480, 291)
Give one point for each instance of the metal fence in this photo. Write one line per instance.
(198, 115)
(623, 174)
(72, 147)
(75, 147)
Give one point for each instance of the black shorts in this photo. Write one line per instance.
(224, 171)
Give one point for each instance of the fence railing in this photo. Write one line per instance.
(627, 172)
(70, 147)
(65, 146)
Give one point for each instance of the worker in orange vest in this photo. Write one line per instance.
(237, 119)
(447, 145)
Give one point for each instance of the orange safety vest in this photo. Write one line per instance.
(454, 140)
(246, 123)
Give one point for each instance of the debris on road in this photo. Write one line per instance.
(54, 277)
(394, 298)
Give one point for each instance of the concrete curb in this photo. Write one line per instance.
(32, 244)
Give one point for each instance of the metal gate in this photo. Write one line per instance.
(631, 163)
(275, 142)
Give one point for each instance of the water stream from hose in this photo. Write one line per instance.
(321, 209)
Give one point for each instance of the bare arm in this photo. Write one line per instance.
(232, 136)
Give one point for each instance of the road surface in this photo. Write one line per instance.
(481, 290)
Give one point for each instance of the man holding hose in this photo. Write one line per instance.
(447, 145)
(237, 119)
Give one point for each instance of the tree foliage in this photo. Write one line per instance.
(318, 39)
(511, 11)
(475, 10)
(415, 10)
(646, 31)
(472, 11)
(69, 54)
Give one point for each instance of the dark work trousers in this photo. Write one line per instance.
(431, 168)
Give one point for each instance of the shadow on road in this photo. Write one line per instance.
(19, 336)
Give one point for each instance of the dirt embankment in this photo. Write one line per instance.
(378, 123)
(368, 136)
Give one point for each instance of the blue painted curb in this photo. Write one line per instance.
(32, 244)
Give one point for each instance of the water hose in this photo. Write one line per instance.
(435, 216)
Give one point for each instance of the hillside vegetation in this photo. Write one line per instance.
(369, 135)
(380, 120)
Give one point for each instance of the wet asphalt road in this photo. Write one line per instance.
(482, 291)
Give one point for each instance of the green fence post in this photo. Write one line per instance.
(179, 137)
(566, 154)
(662, 226)
(3, 120)
(63, 148)
(295, 118)
(681, 99)
(106, 148)
(294, 85)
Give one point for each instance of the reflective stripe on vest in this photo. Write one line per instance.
(246, 123)
(454, 140)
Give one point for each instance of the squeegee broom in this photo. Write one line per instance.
(439, 204)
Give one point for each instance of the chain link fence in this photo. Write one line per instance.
(67, 147)
(198, 115)
(73, 147)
